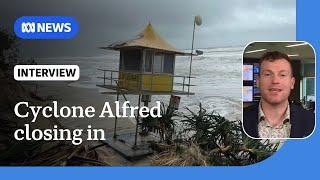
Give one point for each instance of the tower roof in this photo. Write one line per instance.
(148, 38)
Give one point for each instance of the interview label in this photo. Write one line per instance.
(46, 72)
(46, 27)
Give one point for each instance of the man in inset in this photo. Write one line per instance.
(274, 117)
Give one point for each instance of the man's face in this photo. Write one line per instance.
(275, 81)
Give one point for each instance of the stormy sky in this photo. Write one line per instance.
(101, 22)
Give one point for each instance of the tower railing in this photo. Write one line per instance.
(111, 78)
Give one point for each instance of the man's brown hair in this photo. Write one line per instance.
(275, 55)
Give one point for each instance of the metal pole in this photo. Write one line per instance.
(137, 118)
(104, 78)
(111, 78)
(116, 120)
(184, 78)
(194, 27)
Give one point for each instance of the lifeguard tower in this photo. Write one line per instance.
(146, 68)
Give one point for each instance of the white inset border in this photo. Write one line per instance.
(315, 67)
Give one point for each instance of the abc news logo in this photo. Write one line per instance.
(31, 27)
(46, 27)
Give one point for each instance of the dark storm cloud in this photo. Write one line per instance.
(229, 22)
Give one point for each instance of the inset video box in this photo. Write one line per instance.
(46, 72)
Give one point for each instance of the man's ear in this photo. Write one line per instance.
(258, 80)
(293, 80)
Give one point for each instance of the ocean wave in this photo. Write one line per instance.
(218, 78)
